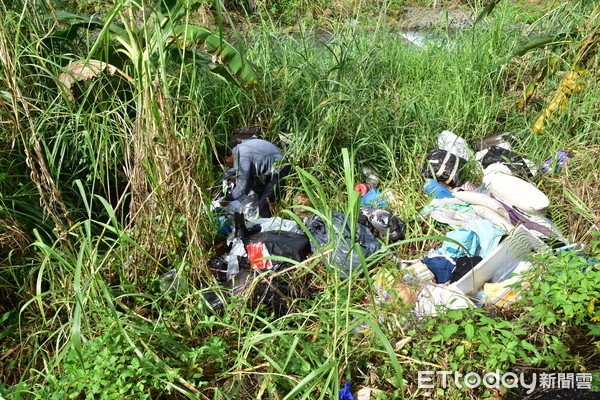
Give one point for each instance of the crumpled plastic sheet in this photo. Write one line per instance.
(238, 249)
(454, 144)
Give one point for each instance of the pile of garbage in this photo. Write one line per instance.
(494, 228)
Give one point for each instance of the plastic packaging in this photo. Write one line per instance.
(256, 251)
(171, 283)
(274, 224)
(371, 178)
(512, 160)
(454, 144)
(433, 187)
(249, 206)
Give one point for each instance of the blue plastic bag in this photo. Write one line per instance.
(373, 198)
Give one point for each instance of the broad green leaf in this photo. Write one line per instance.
(469, 331)
(224, 54)
(450, 330)
(459, 351)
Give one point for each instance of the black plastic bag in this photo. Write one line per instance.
(343, 256)
(295, 246)
(513, 161)
(275, 293)
(443, 167)
(383, 222)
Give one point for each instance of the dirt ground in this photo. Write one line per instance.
(415, 18)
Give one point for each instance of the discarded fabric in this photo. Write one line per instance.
(463, 266)
(540, 226)
(481, 199)
(451, 211)
(433, 299)
(441, 267)
(493, 217)
(383, 222)
(489, 235)
(469, 244)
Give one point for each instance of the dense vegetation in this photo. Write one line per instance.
(107, 179)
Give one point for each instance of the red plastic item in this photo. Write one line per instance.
(256, 251)
(363, 188)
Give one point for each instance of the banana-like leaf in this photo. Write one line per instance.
(224, 54)
(533, 44)
(572, 82)
(536, 43)
(174, 9)
(487, 10)
(77, 21)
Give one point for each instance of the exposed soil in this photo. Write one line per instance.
(415, 18)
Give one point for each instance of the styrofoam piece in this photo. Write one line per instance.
(520, 243)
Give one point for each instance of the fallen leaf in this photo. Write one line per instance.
(83, 70)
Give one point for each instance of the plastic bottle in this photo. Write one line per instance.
(371, 178)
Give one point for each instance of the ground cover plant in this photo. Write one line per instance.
(107, 180)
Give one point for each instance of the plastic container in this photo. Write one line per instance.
(516, 247)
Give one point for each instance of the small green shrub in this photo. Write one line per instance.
(107, 368)
(567, 292)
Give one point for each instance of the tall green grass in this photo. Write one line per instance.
(83, 298)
